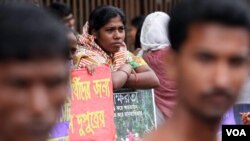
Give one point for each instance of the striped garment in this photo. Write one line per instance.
(88, 57)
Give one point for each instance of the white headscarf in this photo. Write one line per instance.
(154, 32)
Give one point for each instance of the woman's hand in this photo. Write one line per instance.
(91, 68)
(121, 76)
(143, 78)
(127, 68)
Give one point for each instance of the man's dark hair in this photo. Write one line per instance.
(60, 10)
(28, 32)
(226, 12)
(102, 15)
(138, 38)
(138, 21)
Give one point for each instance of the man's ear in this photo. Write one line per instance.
(171, 62)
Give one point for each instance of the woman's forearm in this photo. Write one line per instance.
(144, 80)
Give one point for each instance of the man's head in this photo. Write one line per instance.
(135, 25)
(72, 37)
(33, 72)
(210, 43)
(63, 12)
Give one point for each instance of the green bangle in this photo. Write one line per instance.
(133, 64)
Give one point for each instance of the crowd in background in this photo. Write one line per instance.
(102, 41)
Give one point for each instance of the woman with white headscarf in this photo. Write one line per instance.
(155, 46)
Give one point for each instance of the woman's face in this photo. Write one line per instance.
(111, 36)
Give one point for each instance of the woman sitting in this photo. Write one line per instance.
(102, 42)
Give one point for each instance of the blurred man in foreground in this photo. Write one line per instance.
(33, 72)
(210, 54)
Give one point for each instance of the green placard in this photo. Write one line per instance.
(134, 113)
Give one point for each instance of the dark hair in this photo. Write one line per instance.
(138, 21)
(188, 12)
(28, 32)
(102, 15)
(138, 38)
(60, 10)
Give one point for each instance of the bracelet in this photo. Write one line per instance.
(125, 73)
(136, 80)
(133, 64)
